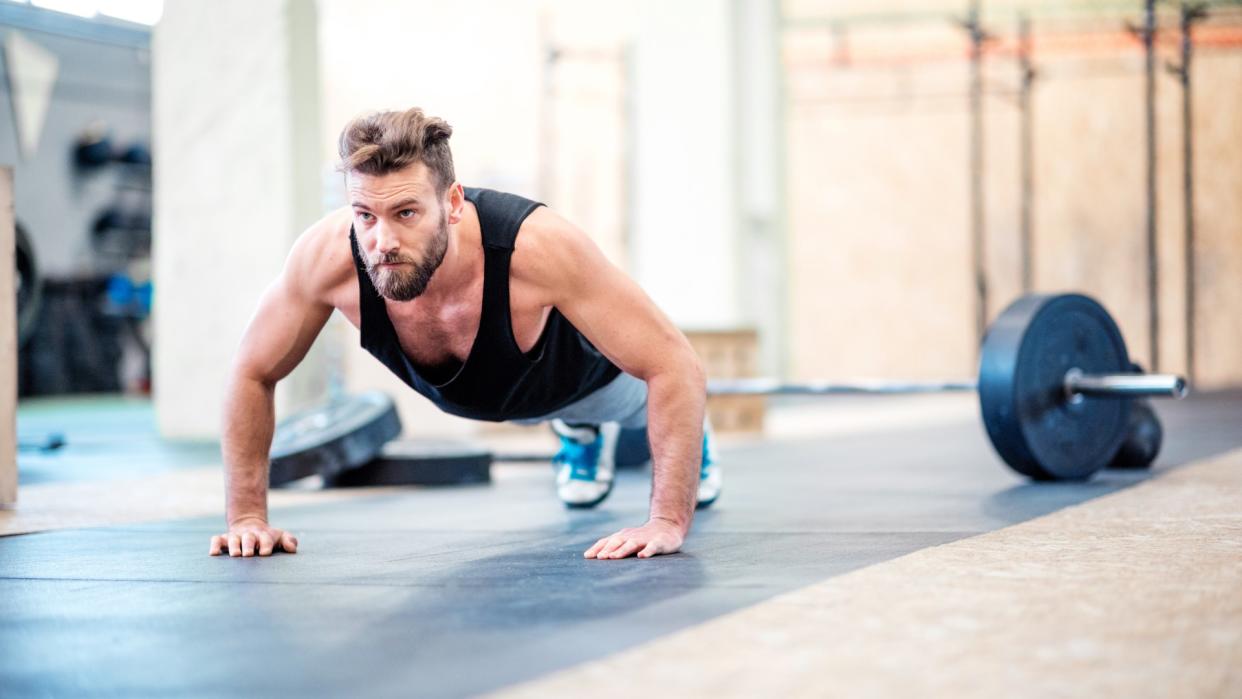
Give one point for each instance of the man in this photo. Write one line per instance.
(491, 306)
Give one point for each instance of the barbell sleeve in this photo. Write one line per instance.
(1125, 385)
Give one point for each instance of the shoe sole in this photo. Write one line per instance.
(704, 504)
(590, 504)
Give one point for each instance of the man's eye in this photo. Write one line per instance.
(365, 216)
(406, 213)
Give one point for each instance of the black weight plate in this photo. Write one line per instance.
(420, 462)
(1036, 429)
(342, 435)
(1144, 435)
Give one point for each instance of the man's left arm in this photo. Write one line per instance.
(623, 323)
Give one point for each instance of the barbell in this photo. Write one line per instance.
(1055, 386)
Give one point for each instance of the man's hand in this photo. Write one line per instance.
(249, 534)
(655, 537)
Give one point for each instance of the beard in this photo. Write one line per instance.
(409, 281)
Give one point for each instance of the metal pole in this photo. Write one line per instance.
(976, 172)
(1190, 13)
(1153, 298)
(773, 387)
(1026, 154)
(1125, 385)
(1076, 383)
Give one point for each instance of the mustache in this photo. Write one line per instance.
(391, 258)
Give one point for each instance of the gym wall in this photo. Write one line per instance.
(877, 120)
(607, 134)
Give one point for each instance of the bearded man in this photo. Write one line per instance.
(494, 308)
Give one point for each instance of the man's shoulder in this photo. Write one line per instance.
(551, 249)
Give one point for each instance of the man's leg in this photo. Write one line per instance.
(589, 431)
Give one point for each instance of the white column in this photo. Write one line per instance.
(237, 178)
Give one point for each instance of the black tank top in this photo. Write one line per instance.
(497, 381)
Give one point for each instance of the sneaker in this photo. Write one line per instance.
(584, 465)
(710, 478)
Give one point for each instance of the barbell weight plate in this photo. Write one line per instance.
(420, 462)
(1026, 353)
(341, 435)
(1144, 435)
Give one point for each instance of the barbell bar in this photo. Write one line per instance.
(1075, 382)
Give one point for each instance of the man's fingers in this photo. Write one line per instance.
(266, 544)
(248, 540)
(651, 549)
(234, 545)
(611, 545)
(594, 550)
(288, 542)
(217, 543)
(626, 549)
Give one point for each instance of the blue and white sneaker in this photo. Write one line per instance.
(585, 464)
(710, 478)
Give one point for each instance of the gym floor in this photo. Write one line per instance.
(876, 546)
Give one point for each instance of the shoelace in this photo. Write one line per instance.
(581, 458)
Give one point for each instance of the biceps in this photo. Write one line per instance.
(280, 333)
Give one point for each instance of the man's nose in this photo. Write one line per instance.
(385, 240)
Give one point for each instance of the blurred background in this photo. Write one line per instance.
(810, 188)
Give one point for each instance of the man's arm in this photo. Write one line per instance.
(614, 313)
(289, 317)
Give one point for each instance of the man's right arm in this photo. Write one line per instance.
(290, 315)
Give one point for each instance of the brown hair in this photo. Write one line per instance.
(379, 143)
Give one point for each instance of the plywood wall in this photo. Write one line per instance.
(877, 125)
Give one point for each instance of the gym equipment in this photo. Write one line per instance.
(422, 462)
(1055, 386)
(1144, 435)
(342, 435)
(29, 288)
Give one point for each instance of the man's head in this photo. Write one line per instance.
(401, 185)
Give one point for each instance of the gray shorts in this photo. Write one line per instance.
(623, 400)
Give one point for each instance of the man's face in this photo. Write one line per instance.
(402, 229)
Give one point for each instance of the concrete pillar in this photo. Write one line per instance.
(8, 344)
(237, 178)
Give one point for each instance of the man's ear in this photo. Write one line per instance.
(456, 202)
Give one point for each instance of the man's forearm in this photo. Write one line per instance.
(249, 418)
(675, 405)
